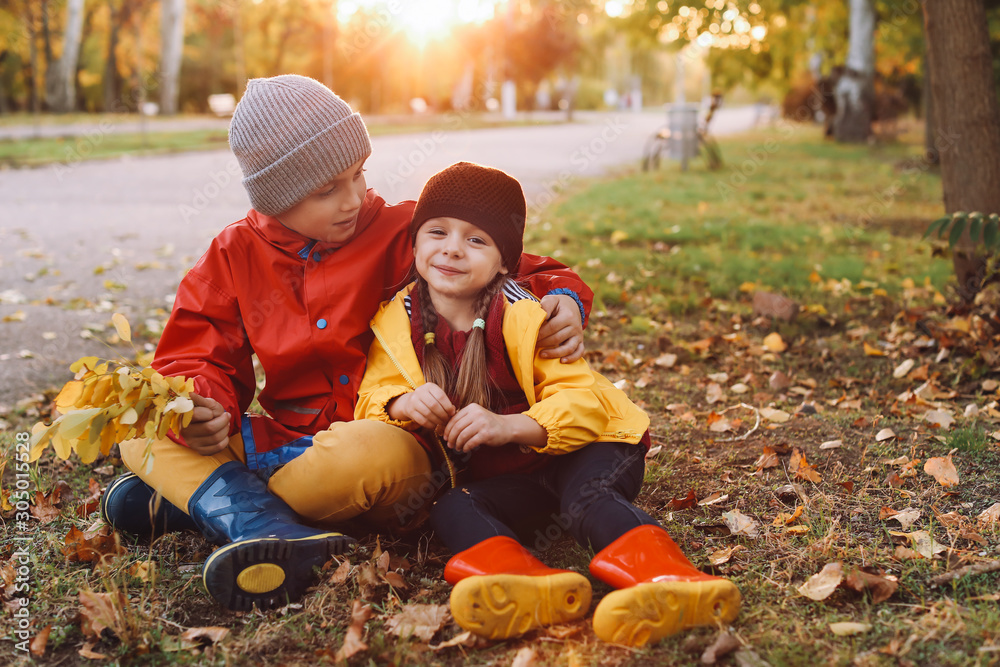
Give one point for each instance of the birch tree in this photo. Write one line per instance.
(172, 37)
(854, 92)
(61, 74)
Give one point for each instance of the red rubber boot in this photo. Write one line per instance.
(502, 591)
(660, 591)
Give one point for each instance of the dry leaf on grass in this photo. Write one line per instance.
(418, 620)
(775, 343)
(464, 639)
(341, 573)
(676, 504)
(723, 645)
(885, 434)
(562, 631)
(784, 518)
(880, 587)
(101, 610)
(773, 415)
(210, 635)
(714, 393)
(923, 542)
(86, 652)
(713, 499)
(823, 583)
(44, 508)
(904, 368)
(831, 444)
(942, 469)
(38, 644)
(940, 418)
(871, 351)
(847, 629)
(768, 459)
(524, 658)
(354, 639)
(990, 515)
(801, 467)
(741, 524)
(81, 547)
(721, 556)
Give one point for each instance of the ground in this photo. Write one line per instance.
(857, 438)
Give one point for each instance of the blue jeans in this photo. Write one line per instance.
(587, 493)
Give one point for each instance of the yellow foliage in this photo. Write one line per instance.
(108, 402)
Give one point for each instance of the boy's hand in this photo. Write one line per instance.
(475, 426)
(562, 333)
(427, 405)
(208, 431)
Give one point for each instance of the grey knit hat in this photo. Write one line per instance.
(291, 134)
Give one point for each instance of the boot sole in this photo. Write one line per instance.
(500, 606)
(268, 572)
(648, 612)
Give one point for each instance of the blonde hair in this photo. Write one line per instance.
(470, 382)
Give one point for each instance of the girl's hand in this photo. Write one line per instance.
(562, 333)
(208, 432)
(427, 405)
(475, 426)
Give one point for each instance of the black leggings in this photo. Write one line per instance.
(588, 492)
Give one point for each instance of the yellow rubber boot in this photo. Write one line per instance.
(660, 591)
(502, 591)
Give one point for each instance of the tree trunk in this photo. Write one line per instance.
(854, 92)
(930, 129)
(238, 54)
(110, 83)
(967, 117)
(29, 19)
(172, 35)
(60, 78)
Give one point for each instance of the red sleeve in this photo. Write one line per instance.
(544, 274)
(204, 339)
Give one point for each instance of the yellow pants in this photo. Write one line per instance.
(364, 469)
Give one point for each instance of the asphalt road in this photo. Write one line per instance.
(82, 240)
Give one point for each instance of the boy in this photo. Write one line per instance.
(295, 283)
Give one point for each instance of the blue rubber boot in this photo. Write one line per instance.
(128, 506)
(269, 557)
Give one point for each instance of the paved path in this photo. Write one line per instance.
(81, 241)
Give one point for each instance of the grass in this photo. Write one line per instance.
(790, 220)
(110, 144)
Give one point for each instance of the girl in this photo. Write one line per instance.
(526, 440)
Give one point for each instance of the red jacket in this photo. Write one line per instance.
(304, 308)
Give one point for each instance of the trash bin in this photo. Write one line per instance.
(682, 119)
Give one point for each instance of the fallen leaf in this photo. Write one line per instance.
(784, 518)
(721, 378)
(37, 645)
(714, 393)
(776, 416)
(341, 573)
(211, 634)
(720, 556)
(464, 639)
(86, 652)
(562, 631)
(880, 587)
(101, 610)
(802, 468)
(942, 469)
(884, 435)
(775, 343)
(822, 584)
(713, 499)
(906, 517)
(666, 360)
(354, 638)
(723, 645)
(923, 542)
(847, 629)
(44, 508)
(676, 504)
(524, 658)
(418, 620)
(768, 459)
(741, 524)
(939, 418)
(990, 515)
(81, 547)
(872, 351)
(900, 371)
(990, 385)
(831, 444)
(769, 304)
(904, 553)
(779, 381)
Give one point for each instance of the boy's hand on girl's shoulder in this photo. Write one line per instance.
(561, 336)
(208, 432)
(427, 405)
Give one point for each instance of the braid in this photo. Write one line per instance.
(436, 368)
(473, 382)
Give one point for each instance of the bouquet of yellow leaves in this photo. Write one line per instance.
(108, 402)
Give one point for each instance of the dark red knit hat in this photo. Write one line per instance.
(485, 197)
